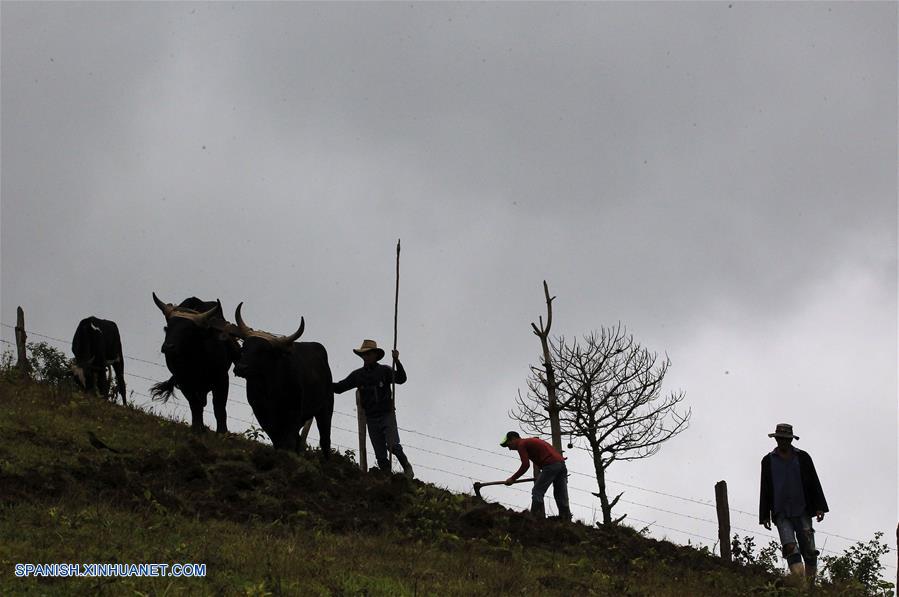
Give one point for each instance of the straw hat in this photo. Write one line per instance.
(368, 346)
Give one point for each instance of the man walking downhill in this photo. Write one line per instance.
(552, 472)
(373, 381)
(790, 495)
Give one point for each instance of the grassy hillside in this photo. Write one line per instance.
(274, 523)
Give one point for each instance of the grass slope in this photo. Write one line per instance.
(274, 523)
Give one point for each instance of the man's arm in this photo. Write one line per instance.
(818, 501)
(764, 500)
(345, 384)
(399, 376)
(525, 464)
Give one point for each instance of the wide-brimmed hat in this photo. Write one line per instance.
(784, 430)
(368, 346)
(509, 437)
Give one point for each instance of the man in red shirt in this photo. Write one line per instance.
(552, 471)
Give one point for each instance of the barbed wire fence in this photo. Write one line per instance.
(178, 410)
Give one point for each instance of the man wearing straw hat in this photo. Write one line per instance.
(373, 381)
(790, 495)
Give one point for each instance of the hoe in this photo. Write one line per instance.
(478, 486)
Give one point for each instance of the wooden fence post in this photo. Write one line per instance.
(723, 519)
(21, 337)
(360, 415)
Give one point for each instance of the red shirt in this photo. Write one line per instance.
(538, 451)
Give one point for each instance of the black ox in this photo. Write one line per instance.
(288, 383)
(198, 353)
(97, 347)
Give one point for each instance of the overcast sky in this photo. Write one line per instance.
(719, 177)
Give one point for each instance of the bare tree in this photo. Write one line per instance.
(609, 394)
(546, 375)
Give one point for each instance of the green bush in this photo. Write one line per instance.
(48, 364)
(743, 552)
(8, 370)
(255, 433)
(860, 566)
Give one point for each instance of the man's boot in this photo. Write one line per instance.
(810, 572)
(797, 574)
(565, 514)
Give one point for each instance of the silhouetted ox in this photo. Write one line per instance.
(97, 346)
(198, 352)
(288, 383)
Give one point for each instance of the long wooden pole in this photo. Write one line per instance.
(396, 308)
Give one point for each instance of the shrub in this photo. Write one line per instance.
(860, 566)
(255, 433)
(48, 364)
(768, 558)
(8, 366)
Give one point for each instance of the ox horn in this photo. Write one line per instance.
(203, 318)
(166, 308)
(293, 337)
(243, 327)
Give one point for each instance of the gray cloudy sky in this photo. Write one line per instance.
(721, 178)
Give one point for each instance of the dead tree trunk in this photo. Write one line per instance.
(550, 376)
(606, 505)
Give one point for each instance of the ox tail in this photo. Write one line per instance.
(163, 390)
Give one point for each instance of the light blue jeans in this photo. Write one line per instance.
(798, 531)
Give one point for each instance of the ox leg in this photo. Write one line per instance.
(119, 368)
(197, 403)
(283, 438)
(90, 380)
(219, 399)
(103, 382)
(301, 445)
(323, 423)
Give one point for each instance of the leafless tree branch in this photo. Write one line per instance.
(607, 391)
